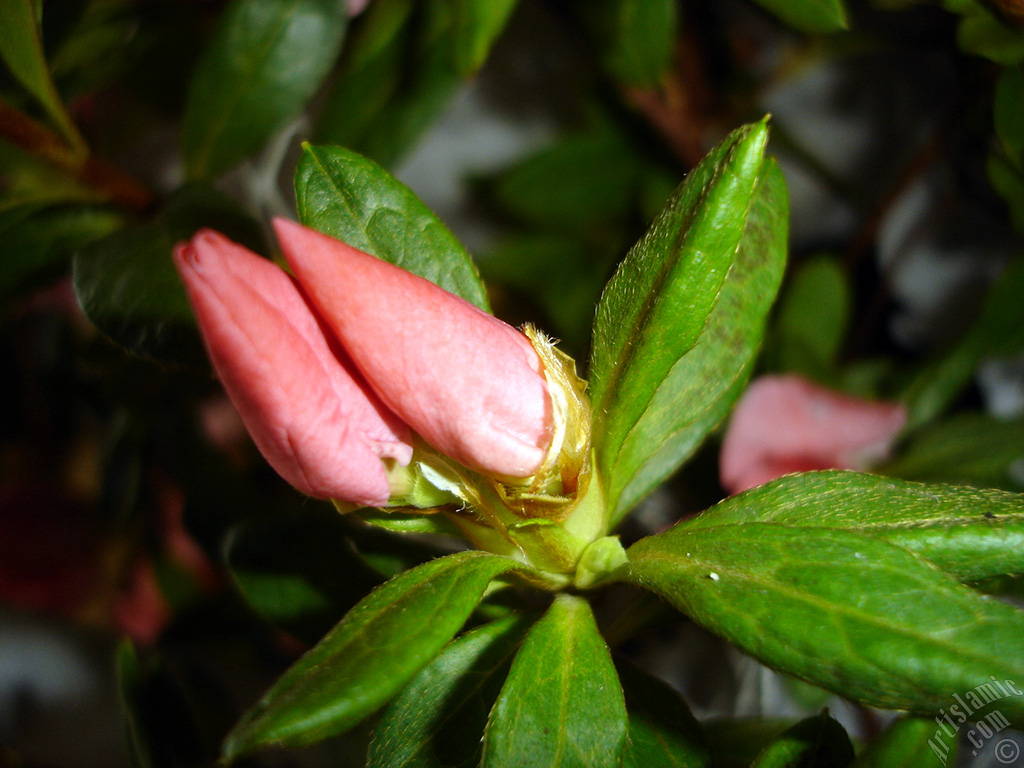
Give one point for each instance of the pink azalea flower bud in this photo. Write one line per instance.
(306, 407)
(470, 385)
(785, 424)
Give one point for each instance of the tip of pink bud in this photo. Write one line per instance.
(785, 424)
(470, 385)
(307, 409)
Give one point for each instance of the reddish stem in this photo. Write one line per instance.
(35, 138)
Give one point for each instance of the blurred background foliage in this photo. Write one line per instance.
(546, 134)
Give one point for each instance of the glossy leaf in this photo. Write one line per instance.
(1008, 180)
(890, 630)
(299, 571)
(396, 83)
(368, 657)
(662, 731)
(408, 522)
(576, 185)
(812, 317)
(161, 729)
(970, 448)
(439, 718)
(817, 742)
(937, 385)
(561, 706)
(635, 38)
(127, 284)
(702, 386)
(997, 330)
(981, 33)
(348, 196)
(477, 26)
(369, 75)
(1000, 324)
(38, 243)
(657, 303)
(735, 743)
(563, 274)
(1008, 108)
(907, 741)
(970, 533)
(815, 16)
(21, 48)
(266, 58)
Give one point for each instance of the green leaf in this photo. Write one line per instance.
(1000, 324)
(735, 743)
(369, 76)
(577, 184)
(129, 678)
(408, 522)
(128, 286)
(817, 742)
(94, 50)
(477, 26)
(657, 303)
(375, 650)
(907, 741)
(812, 318)
(890, 630)
(561, 706)
(814, 16)
(439, 717)
(700, 389)
(998, 331)
(563, 274)
(936, 386)
(21, 48)
(300, 570)
(636, 38)
(982, 34)
(970, 448)
(968, 532)
(348, 196)
(397, 82)
(1008, 180)
(266, 58)
(1008, 109)
(662, 731)
(38, 242)
(160, 726)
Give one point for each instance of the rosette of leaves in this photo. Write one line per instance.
(462, 662)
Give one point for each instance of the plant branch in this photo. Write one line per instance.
(35, 138)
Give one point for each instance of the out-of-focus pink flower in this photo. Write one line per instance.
(785, 424)
(140, 609)
(355, 7)
(330, 370)
(469, 384)
(222, 426)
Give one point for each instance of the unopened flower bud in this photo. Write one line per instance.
(470, 385)
(306, 407)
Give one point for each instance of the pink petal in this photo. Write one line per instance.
(140, 609)
(785, 424)
(469, 384)
(307, 409)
